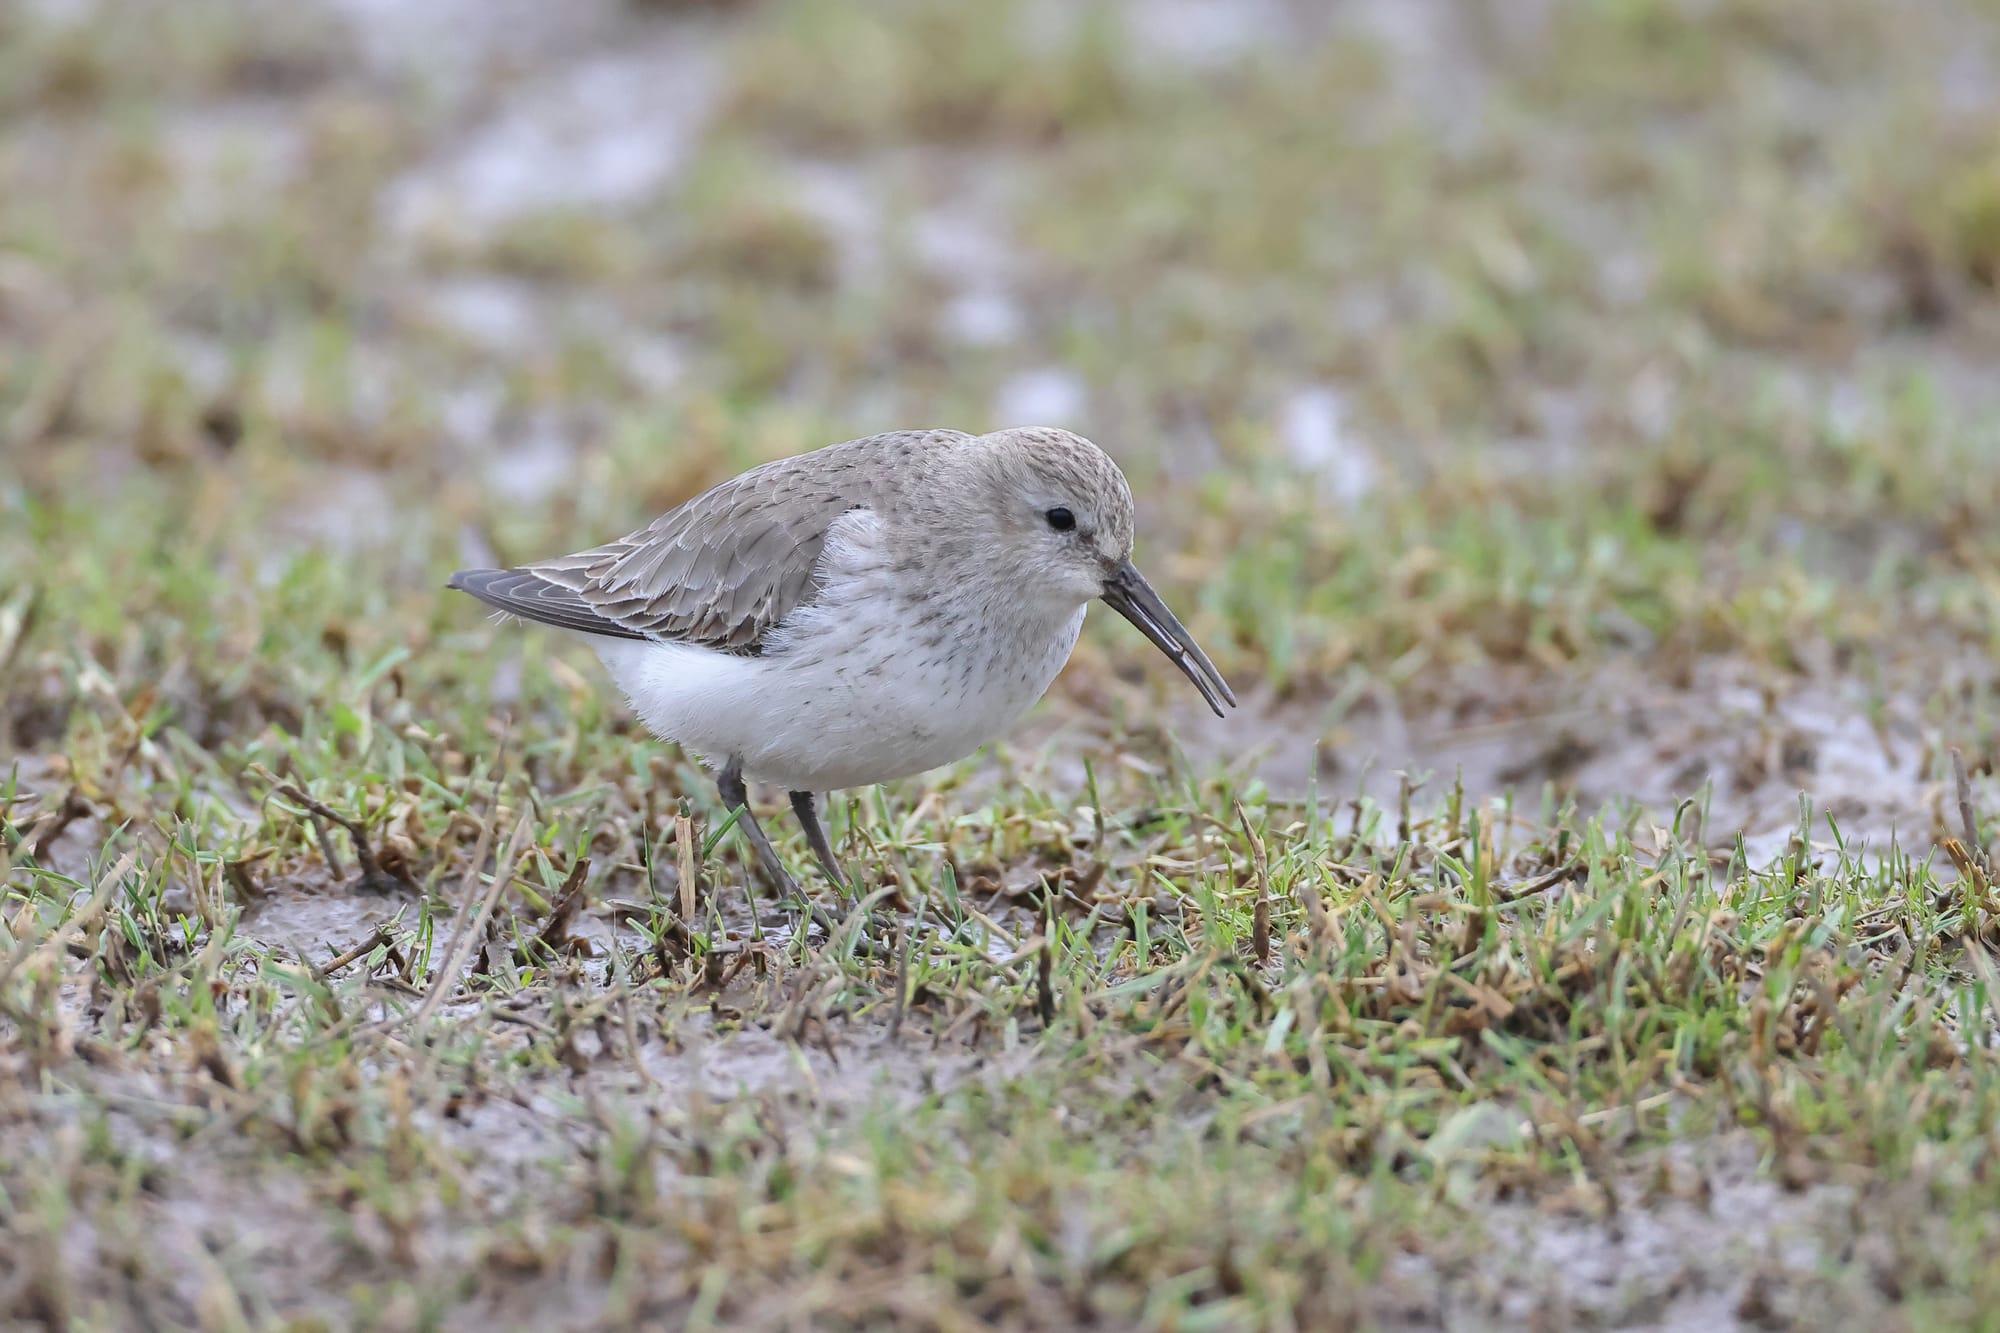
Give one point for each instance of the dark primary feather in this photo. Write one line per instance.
(723, 569)
(531, 597)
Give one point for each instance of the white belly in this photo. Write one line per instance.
(843, 698)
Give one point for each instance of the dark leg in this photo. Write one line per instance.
(729, 783)
(802, 806)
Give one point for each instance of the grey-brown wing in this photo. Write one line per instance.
(520, 592)
(725, 567)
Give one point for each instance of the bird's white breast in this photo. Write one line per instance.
(886, 674)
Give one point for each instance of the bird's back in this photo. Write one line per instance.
(725, 569)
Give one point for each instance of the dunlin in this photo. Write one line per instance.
(857, 614)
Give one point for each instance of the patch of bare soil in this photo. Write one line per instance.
(1697, 1238)
(481, 1181)
(298, 1196)
(1755, 742)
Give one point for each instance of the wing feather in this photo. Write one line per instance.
(519, 592)
(722, 570)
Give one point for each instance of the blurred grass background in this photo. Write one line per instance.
(1430, 333)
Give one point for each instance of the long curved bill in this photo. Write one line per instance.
(1128, 593)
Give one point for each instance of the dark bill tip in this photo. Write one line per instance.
(1128, 593)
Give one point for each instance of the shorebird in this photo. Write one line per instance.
(861, 613)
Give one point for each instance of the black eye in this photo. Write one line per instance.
(1060, 519)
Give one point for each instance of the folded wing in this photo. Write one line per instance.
(719, 572)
